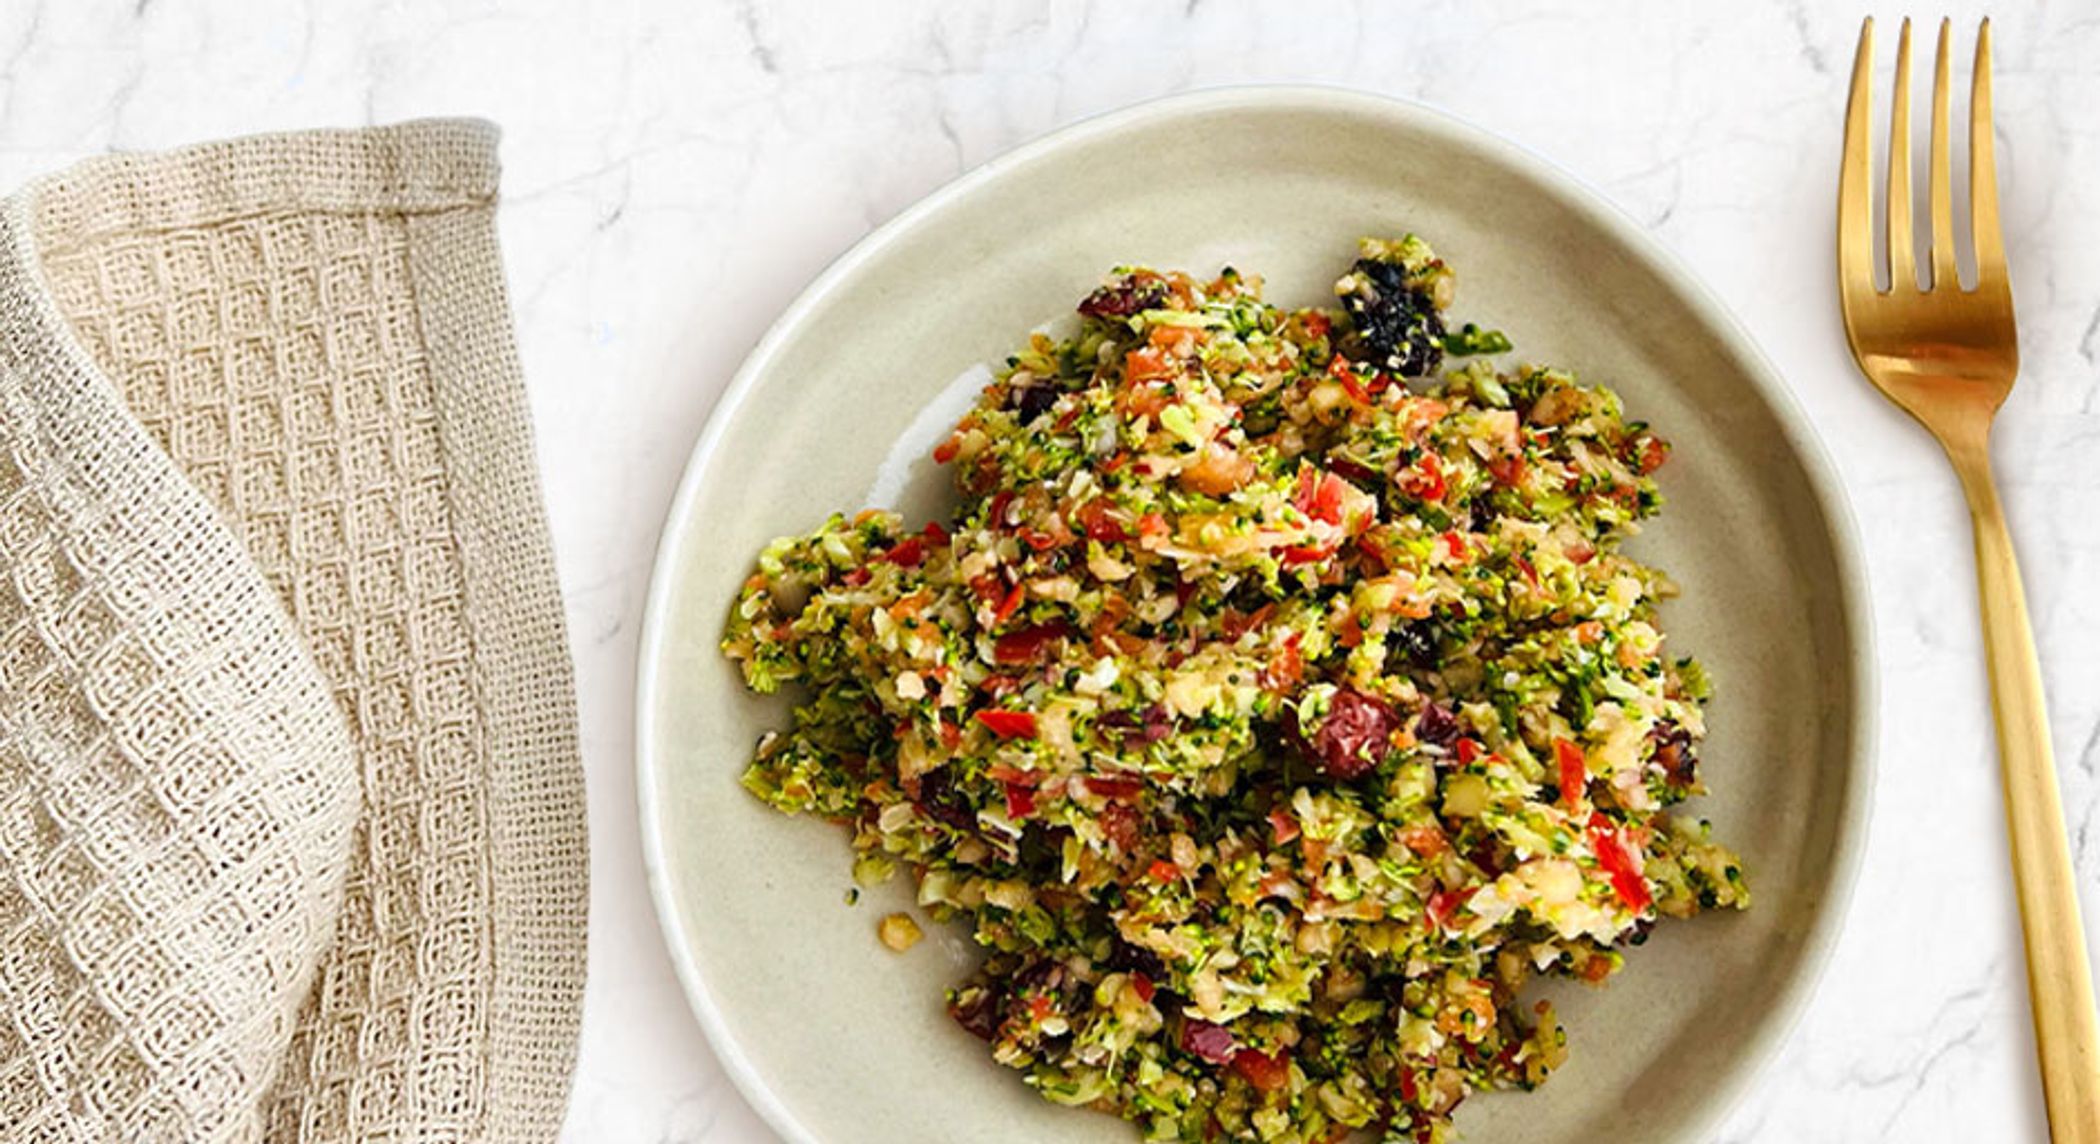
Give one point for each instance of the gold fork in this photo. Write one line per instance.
(1948, 356)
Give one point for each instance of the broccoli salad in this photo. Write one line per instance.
(1275, 703)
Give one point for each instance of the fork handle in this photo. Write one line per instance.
(2059, 978)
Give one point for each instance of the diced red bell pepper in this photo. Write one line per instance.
(907, 553)
(1020, 801)
(1444, 904)
(1308, 554)
(1025, 645)
(1469, 750)
(1616, 859)
(1425, 479)
(1163, 871)
(1574, 772)
(1143, 985)
(1321, 495)
(1008, 606)
(1008, 724)
(946, 450)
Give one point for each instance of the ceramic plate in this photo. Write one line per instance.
(835, 1039)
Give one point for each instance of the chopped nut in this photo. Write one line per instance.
(899, 932)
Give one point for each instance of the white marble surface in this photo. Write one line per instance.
(677, 169)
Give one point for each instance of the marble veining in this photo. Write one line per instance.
(678, 169)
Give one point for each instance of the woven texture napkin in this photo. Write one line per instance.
(291, 818)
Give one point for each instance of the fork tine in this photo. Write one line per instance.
(1944, 273)
(1855, 177)
(1983, 172)
(1903, 267)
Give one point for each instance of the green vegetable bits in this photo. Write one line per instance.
(1275, 703)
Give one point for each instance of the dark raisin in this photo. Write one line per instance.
(1674, 754)
(1436, 725)
(1032, 401)
(1352, 738)
(1400, 328)
(976, 1009)
(938, 798)
(1122, 298)
(1414, 642)
(1127, 958)
(1487, 856)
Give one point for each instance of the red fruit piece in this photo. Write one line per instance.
(1263, 1071)
(1213, 1043)
(1354, 736)
(1008, 724)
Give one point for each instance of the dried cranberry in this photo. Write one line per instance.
(1146, 727)
(1353, 737)
(1122, 298)
(1158, 724)
(1213, 1043)
(1436, 725)
(1120, 824)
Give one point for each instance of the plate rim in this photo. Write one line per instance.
(1821, 475)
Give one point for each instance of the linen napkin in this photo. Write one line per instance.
(291, 819)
